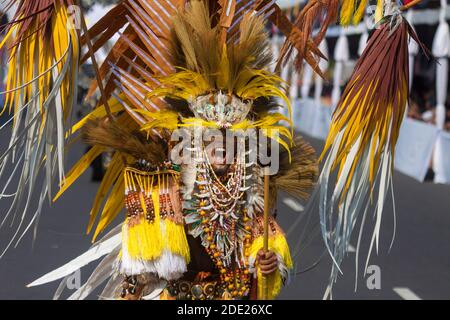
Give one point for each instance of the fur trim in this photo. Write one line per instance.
(255, 195)
(188, 176)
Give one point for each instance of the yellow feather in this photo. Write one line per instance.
(79, 168)
(99, 112)
(359, 13)
(113, 206)
(114, 170)
(347, 9)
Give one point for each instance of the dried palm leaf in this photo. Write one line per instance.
(361, 144)
(43, 51)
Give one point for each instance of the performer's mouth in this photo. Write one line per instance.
(219, 164)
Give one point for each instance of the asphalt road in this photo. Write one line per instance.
(418, 266)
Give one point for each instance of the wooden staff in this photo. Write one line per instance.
(265, 288)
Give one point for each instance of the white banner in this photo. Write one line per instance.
(322, 122)
(442, 159)
(304, 115)
(311, 119)
(415, 148)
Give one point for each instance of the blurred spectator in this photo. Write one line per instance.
(422, 100)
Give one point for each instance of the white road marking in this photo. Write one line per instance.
(406, 294)
(294, 205)
(351, 249)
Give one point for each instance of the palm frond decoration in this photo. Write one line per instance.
(130, 72)
(43, 51)
(302, 37)
(361, 144)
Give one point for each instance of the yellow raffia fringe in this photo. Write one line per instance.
(143, 181)
(147, 241)
(174, 238)
(278, 245)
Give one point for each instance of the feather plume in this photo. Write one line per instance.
(107, 134)
(297, 176)
(40, 92)
(205, 66)
(361, 144)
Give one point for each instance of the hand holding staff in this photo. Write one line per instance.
(266, 228)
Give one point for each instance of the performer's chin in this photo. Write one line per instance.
(221, 169)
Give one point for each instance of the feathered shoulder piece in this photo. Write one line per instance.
(132, 143)
(298, 174)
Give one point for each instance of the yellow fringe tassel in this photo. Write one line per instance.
(148, 240)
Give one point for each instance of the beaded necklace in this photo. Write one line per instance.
(220, 212)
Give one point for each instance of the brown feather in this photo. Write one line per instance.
(196, 45)
(298, 177)
(252, 49)
(101, 132)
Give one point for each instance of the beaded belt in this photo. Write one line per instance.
(187, 290)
